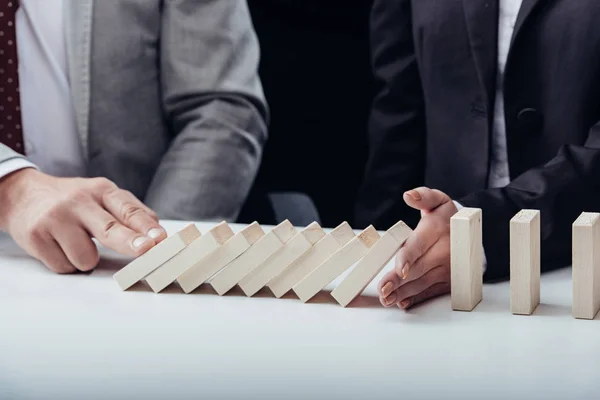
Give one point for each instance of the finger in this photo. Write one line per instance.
(77, 245)
(425, 199)
(436, 290)
(418, 243)
(98, 187)
(131, 212)
(413, 248)
(387, 286)
(141, 204)
(425, 235)
(438, 254)
(111, 233)
(436, 275)
(51, 255)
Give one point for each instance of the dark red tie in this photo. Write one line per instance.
(11, 132)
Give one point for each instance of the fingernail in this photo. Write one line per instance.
(155, 233)
(387, 289)
(391, 299)
(413, 194)
(405, 271)
(139, 242)
(405, 303)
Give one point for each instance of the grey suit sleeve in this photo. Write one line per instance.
(215, 106)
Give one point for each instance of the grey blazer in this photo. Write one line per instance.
(168, 101)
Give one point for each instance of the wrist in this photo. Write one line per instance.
(12, 188)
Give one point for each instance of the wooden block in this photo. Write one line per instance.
(189, 257)
(235, 271)
(143, 265)
(211, 264)
(310, 260)
(466, 260)
(371, 264)
(525, 262)
(281, 259)
(335, 265)
(586, 266)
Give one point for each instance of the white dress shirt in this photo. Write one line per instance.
(499, 175)
(50, 135)
(499, 172)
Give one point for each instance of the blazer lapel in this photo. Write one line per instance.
(78, 32)
(482, 25)
(527, 8)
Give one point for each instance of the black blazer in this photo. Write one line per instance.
(435, 66)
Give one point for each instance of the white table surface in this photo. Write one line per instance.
(80, 337)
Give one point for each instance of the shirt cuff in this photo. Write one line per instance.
(14, 164)
(459, 207)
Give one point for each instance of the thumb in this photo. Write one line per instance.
(425, 199)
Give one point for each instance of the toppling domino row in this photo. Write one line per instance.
(308, 260)
(283, 259)
(467, 260)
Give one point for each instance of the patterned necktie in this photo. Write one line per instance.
(11, 133)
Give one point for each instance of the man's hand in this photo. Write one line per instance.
(55, 219)
(422, 269)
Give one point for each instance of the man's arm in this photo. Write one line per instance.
(561, 189)
(397, 124)
(54, 219)
(216, 110)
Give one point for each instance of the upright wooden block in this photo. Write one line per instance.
(525, 262)
(281, 259)
(310, 260)
(139, 268)
(189, 257)
(466, 259)
(586, 266)
(371, 264)
(335, 265)
(211, 264)
(235, 271)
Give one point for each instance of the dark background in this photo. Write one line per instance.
(316, 75)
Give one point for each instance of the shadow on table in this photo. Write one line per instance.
(323, 297)
(542, 310)
(440, 310)
(552, 310)
(365, 302)
(112, 264)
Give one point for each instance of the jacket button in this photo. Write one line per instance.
(530, 120)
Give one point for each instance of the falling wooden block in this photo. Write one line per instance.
(335, 265)
(466, 259)
(235, 271)
(525, 262)
(586, 266)
(211, 264)
(143, 265)
(371, 264)
(189, 257)
(310, 260)
(281, 259)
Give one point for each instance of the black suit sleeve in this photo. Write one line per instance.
(397, 124)
(562, 189)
